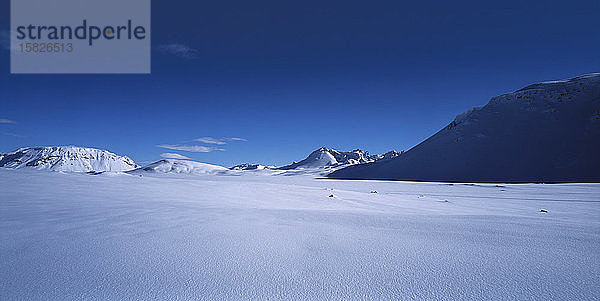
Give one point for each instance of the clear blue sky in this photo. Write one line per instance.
(291, 77)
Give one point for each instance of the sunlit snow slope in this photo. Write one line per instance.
(66, 158)
(546, 132)
(180, 167)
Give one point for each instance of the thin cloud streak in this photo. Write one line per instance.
(190, 148)
(2, 120)
(180, 50)
(210, 140)
(14, 135)
(219, 141)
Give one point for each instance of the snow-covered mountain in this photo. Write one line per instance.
(66, 158)
(389, 155)
(250, 166)
(330, 158)
(546, 132)
(179, 167)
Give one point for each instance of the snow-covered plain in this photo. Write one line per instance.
(253, 236)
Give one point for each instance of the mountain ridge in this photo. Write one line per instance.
(329, 158)
(323, 158)
(545, 132)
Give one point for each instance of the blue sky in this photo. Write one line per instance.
(286, 78)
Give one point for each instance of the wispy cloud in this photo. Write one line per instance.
(215, 144)
(190, 148)
(2, 120)
(13, 135)
(174, 156)
(181, 50)
(210, 140)
(218, 141)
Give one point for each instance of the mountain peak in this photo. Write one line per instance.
(329, 158)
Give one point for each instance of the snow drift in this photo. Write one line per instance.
(546, 132)
(66, 158)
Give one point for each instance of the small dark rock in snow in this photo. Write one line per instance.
(543, 211)
(331, 195)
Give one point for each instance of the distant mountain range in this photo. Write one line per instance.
(250, 166)
(546, 132)
(324, 159)
(85, 159)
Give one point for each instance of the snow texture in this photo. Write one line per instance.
(547, 132)
(117, 236)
